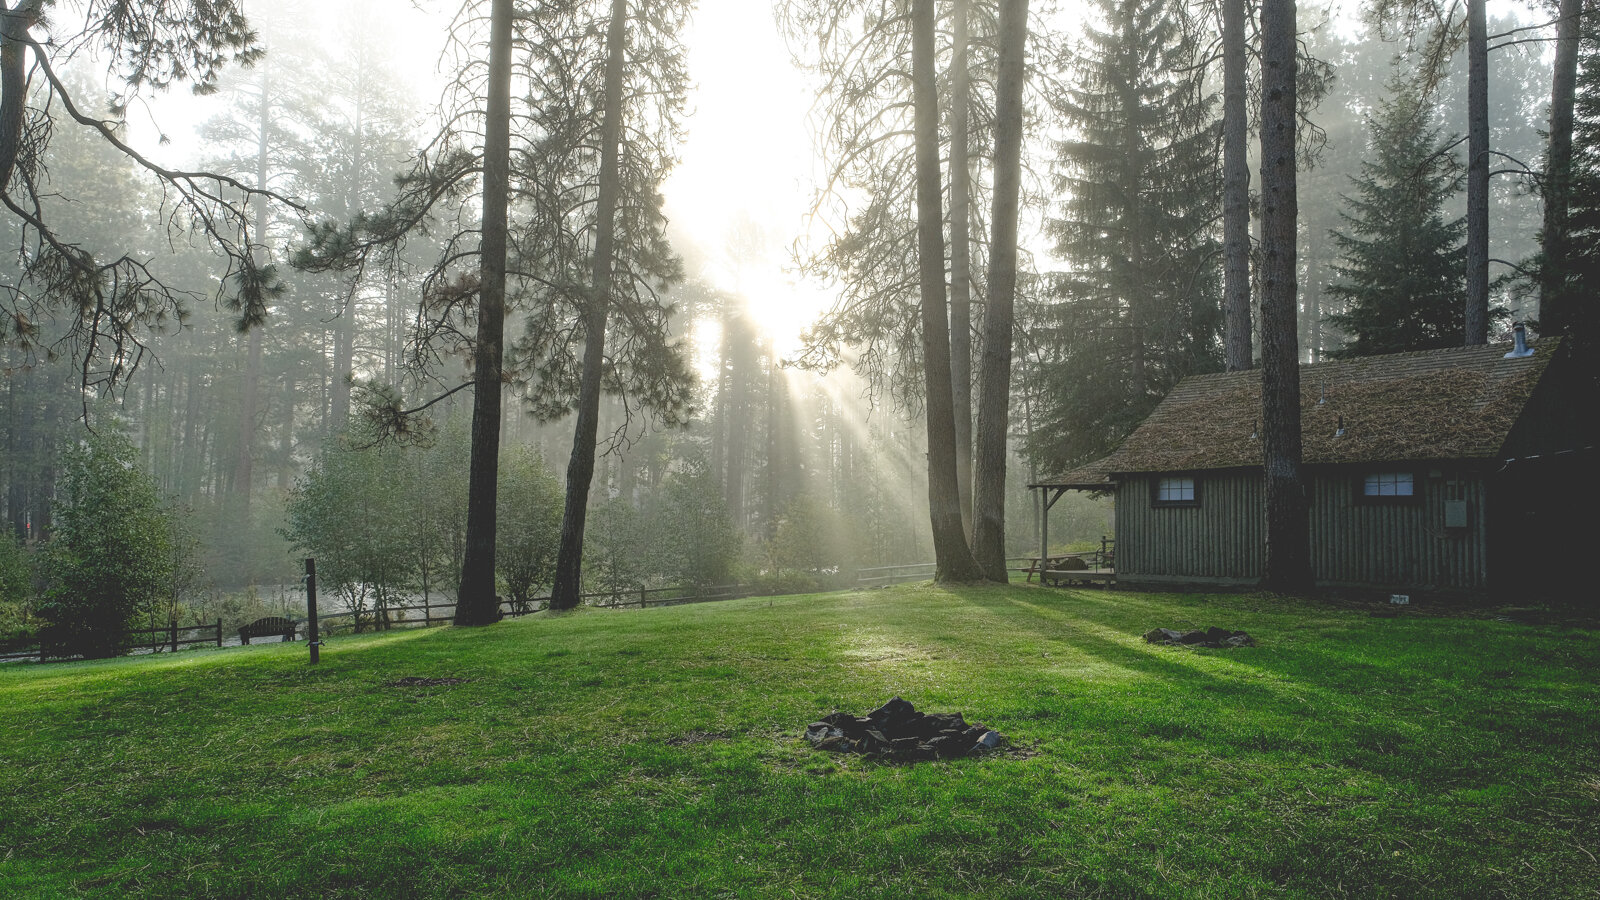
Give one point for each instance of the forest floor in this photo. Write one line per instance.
(659, 753)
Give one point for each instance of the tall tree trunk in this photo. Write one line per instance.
(994, 400)
(961, 257)
(16, 19)
(286, 437)
(952, 557)
(1554, 295)
(566, 590)
(1477, 312)
(344, 342)
(737, 410)
(1235, 190)
(773, 501)
(476, 603)
(250, 395)
(1288, 556)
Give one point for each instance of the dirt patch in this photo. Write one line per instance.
(1214, 637)
(691, 738)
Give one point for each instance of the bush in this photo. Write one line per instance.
(109, 557)
(529, 530)
(16, 588)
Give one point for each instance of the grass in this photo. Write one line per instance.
(658, 754)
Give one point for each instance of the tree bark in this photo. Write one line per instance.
(961, 257)
(994, 400)
(1554, 298)
(1477, 312)
(952, 557)
(1235, 190)
(15, 21)
(566, 591)
(250, 396)
(1288, 548)
(476, 602)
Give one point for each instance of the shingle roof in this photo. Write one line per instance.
(1458, 403)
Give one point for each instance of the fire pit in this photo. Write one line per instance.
(897, 731)
(1209, 637)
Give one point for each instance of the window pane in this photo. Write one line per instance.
(1388, 484)
(1170, 490)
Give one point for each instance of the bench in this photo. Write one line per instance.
(268, 627)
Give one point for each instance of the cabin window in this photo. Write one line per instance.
(1387, 487)
(1176, 490)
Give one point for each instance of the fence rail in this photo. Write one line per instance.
(882, 576)
(153, 640)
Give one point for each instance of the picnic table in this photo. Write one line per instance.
(1091, 566)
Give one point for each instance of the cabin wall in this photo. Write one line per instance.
(1218, 542)
(1400, 546)
(1354, 544)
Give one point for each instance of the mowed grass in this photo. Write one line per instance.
(659, 754)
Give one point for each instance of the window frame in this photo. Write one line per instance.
(1362, 498)
(1194, 488)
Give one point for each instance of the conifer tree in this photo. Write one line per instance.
(1403, 269)
(1583, 213)
(1137, 227)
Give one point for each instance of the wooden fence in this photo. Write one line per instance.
(424, 615)
(882, 576)
(154, 640)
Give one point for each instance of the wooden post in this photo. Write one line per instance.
(1044, 530)
(219, 632)
(314, 637)
(174, 625)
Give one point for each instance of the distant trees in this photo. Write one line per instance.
(1402, 273)
(582, 238)
(109, 557)
(1139, 304)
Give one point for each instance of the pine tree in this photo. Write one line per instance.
(1402, 272)
(1137, 227)
(1583, 237)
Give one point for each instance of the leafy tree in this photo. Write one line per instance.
(16, 585)
(694, 542)
(1403, 261)
(1139, 303)
(812, 537)
(349, 513)
(529, 532)
(110, 557)
(617, 551)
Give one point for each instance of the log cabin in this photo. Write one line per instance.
(1467, 471)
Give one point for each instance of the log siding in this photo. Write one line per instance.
(1355, 543)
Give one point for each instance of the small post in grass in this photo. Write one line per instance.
(313, 638)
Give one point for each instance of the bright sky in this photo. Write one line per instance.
(748, 159)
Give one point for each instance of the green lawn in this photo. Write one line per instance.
(658, 753)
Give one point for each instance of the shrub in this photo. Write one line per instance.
(108, 558)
